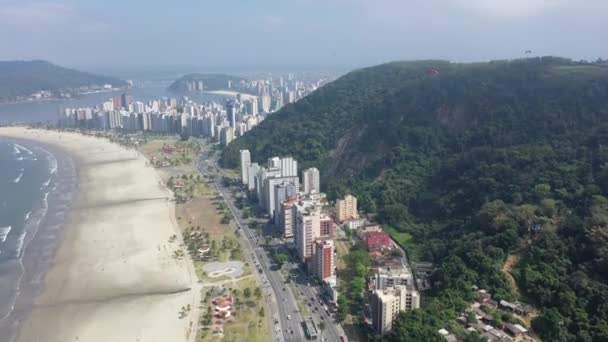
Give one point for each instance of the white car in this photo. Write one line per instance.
(288, 317)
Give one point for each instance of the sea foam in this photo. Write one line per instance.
(19, 245)
(16, 180)
(21, 148)
(4, 233)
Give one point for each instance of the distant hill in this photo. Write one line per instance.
(210, 82)
(23, 78)
(466, 165)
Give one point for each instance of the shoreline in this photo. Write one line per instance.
(113, 276)
(41, 233)
(50, 99)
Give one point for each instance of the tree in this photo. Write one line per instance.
(342, 307)
(258, 292)
(281, 259)
(247, 292)
(321, 327)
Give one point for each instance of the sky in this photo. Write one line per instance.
(263, 34)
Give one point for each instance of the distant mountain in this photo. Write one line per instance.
(496, 172)
(188, 83)
(19, 79)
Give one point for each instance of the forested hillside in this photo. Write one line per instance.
(476, 163)
(23, 78)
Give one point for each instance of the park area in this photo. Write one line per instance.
(232, 306)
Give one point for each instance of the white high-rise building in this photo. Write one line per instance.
(308, 228)
(311, 180)
(387, 277)
(245, 163)
(138, 107)
(264, 103)
(274, 163)
(270, 184)
(386, 305)
(289, 167)
(252, 170)
(108, 106)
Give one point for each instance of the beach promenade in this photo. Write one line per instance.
(115, 276)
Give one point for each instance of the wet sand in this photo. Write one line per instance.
(113, 277)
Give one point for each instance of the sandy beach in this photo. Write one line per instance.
(114, 276)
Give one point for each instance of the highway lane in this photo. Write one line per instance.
(287, 314)
(284, 307)
(312, 294)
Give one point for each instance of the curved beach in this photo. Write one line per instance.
(114, 276)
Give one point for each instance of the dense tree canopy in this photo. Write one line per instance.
(475, 164)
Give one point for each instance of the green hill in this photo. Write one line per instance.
(477, 163)
(23, 78)
(210, 82)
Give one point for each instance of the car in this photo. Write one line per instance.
(284, 299)
(288, 317)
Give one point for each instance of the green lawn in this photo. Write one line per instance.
(402, 237)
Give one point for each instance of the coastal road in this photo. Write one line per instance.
(284, 309)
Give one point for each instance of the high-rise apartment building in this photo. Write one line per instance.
(274, 163)
(252, 170)
(231, 113)
(326, 227)
(386, 305)
(270, 200)
(245, 163)
(226, 135)
(346, 209)
(264, 103)
(311, 180)
(388, 277)
(289, 167)
(323, 262)
(288, 218)
(307, 230)
(283, 192)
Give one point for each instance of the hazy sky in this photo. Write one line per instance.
(296, 33)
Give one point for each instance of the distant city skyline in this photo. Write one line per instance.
(272, 34)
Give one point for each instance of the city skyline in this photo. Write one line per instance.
(304, 33)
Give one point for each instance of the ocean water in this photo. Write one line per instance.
(25, 180)
(36, 187)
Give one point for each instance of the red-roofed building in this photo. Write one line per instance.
(378, 241)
